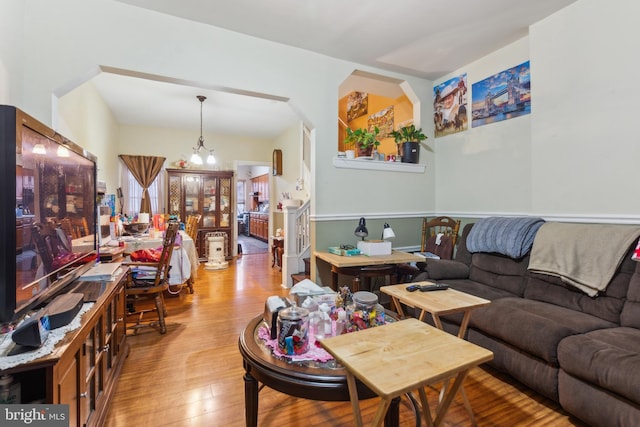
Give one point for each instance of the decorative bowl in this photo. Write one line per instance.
(134, 228)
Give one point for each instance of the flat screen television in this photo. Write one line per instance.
(51, 199)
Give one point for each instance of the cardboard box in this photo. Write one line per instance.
(374, 247)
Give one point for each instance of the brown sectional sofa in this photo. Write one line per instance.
(580, 351)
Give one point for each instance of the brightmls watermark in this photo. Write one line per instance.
(34, 415)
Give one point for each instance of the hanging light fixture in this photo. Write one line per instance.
(62, 151)
(39, 148)
(196, 158)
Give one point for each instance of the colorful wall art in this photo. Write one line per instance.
(357, 105)
(503, 96)
(384, 120)
(450, 106)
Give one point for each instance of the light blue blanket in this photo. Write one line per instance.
(511, 236)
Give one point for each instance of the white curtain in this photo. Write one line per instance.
(132, 192)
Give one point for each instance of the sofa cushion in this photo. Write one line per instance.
(441, 269)
(609, 358)
(631, 311)
(533, 326)
(478, 289)
(595, 406)
(462, 253)
(608, 305)
(500, 271)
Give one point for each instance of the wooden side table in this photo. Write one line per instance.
(438, 303)
(277, 249)
(401, 357)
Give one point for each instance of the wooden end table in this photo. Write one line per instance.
(401, 357)
(436, 303)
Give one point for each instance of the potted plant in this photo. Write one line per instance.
(408, 139)
(364, 140)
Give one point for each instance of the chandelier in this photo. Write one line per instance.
(196, 157)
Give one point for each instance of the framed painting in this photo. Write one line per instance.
(357, 105)
(450, 106)
(384, 120)
(502, 96)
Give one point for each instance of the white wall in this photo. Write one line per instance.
(11, 48)
(74, 37)
(85, 119)
(585, 144)
(486, 169)
(290, 142)
(575, 157)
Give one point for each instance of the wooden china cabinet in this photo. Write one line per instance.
(208, 193)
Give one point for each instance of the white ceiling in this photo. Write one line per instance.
(425, 38)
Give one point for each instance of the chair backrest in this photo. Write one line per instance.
(51, 243)
(191, 227)
(444, 225)
(164, 262)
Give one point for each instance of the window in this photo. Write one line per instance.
(241, 196)
(132, 193)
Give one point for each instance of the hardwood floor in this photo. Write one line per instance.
(193, 375)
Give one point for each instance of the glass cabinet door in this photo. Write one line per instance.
(210, 202)
(225, 202)
(192, 195)
(175, 195)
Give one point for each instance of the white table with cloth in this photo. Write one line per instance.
(184, 260)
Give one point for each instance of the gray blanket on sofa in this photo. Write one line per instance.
(511, 236)
(585, 256)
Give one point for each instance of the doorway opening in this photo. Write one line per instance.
(252, 206)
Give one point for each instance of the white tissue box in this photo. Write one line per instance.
(374, 247)
(326, 295)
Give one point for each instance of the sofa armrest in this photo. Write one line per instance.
(442, 269)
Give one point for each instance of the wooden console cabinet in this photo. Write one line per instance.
(208, 193)
(84, 367)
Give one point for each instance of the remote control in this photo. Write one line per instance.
(436, 287)
(413, 288)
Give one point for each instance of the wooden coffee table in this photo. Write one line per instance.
(325, 381)
(402, 357)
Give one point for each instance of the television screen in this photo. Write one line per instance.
(55, 213)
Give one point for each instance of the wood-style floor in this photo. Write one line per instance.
(193, 375)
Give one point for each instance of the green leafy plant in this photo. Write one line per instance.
(408, 134)
(362, 137)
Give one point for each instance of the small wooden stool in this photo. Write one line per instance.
(401, 357)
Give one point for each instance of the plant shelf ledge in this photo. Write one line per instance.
(378, 165)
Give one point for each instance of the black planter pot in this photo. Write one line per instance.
(410, 152)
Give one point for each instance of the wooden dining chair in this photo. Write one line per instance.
(148, 281)
(445, 227)
(192, 224)
(444, 247)
(191, 228)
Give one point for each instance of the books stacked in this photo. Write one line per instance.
(101, 271)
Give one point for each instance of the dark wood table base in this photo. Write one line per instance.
(308, 382)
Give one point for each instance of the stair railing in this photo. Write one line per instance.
(297, 242)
